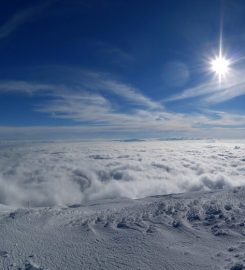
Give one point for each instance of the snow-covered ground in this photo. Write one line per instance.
(188, 231)
(71, 205)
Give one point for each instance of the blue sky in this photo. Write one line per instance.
(120, 69)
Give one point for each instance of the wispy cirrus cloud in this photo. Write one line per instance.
(25, 87)
(140, 123)
(101, 82)
(111, 53)
(89, 106)
(22, 17)
(93, 82)
(212, 92)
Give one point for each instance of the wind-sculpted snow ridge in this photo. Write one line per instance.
(61, 173)
(197, 230)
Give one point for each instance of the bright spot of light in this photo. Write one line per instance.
(221, 66)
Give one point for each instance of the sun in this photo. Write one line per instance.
(221, 66)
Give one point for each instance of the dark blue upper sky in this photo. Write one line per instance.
(120, 68)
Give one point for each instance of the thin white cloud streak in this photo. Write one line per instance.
(89, 82)
(213, 93)
(130, 94)
(110, 52)
(227, 119)
(148, 124)
(99, 111)
(22, 17)
(25, 87)
(87, 104)
(86, 101)
(103, 82)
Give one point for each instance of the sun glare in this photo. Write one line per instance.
(220, 65)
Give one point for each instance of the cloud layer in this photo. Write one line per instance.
(46, 174)
(97, 103)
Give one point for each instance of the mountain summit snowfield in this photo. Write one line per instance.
(122, 205)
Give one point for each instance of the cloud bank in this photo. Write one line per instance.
(65, 173)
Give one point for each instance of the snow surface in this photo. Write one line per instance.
(71, 205)
(199, 230)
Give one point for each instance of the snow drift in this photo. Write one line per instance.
(190, 231)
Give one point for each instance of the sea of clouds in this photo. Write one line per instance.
(65, 173)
